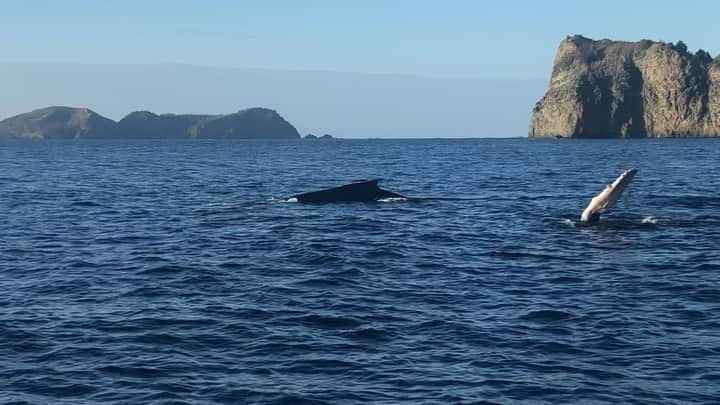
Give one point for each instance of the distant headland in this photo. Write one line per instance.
(75, 123)
(612, 89)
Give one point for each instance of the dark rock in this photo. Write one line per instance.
(606, 89)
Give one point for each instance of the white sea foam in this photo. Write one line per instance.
(649, 220)
(392, 199)
(568, 222)
(283, 200)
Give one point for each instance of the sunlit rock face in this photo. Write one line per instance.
(609, 89)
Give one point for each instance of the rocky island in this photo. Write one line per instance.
(75, 123)
(612, 89)
(314, 137)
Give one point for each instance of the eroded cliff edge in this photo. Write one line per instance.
(609, 89)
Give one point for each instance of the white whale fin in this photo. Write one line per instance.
(608, 197)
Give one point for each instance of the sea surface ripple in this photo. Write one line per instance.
(168, 272)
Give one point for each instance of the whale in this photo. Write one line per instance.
(602, 202)
(360, 191)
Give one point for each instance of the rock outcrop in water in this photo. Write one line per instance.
(314, 137)
(608, 89)
(57, 123)
(72, 123)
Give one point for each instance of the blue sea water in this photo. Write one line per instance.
(168, 272)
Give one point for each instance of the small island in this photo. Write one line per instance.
(313, 137)
(83, 123)
(613, 89)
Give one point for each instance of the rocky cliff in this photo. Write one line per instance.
(607, 89)
(72, 123)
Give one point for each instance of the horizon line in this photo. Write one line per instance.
(269, 69)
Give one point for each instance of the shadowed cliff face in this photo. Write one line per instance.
(605, 89)
(71, 123)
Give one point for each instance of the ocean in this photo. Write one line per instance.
(172, 272)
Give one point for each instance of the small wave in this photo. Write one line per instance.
(567, 222)
(163, 269)
(136, 371)
(297, 399)
(86, 204)
(697, 201)
(547, 315)
(4, 179)
(329, 321)
(368, 334)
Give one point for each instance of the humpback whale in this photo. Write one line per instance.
(365, 191)
(607, 198)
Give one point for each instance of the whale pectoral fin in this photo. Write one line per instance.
(608, 197)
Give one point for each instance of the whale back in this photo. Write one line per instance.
(367, 190)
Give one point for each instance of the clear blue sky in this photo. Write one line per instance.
(462, 38)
